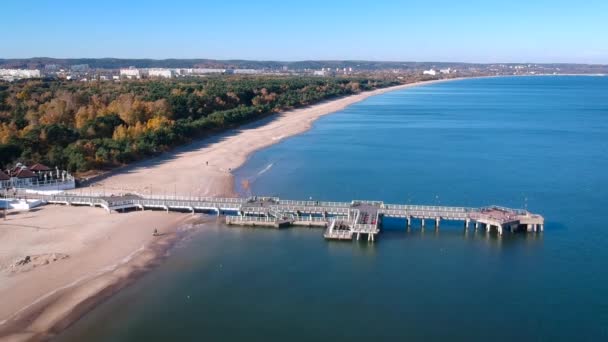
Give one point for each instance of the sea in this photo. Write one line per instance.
(539, 143)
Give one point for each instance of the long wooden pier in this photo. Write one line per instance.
(341, 220)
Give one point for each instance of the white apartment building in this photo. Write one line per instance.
(160, 72)
(130, 73)
(198, 71)
(431, 72)
(11, 74)
(246, 71)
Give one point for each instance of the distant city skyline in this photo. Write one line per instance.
(475, 32)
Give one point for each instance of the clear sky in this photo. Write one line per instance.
(431, 30)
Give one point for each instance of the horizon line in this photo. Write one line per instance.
(299, 60)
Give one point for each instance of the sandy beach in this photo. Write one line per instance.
(204, 168)
(78, 256)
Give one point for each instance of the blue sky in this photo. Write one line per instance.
(432, 30)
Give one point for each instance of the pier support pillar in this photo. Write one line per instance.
(476, 225)
(499, 228)
(358, 236)
(422, 223)
(466, 224)
(409, 221)
(542, 227)
(529, 227)
(437, 219)
(488, 227)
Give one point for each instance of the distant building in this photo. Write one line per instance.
(430, 72)
(12, 74)
(79, 68)
(160, 72)
(445, 71)
(320, 72)
(130, 73)
(200, 71)
(246, 71)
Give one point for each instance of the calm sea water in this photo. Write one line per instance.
(536, 142)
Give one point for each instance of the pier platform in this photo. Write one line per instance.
(341, 220)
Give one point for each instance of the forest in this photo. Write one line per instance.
(81, 126)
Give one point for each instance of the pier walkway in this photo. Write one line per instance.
(341, 220)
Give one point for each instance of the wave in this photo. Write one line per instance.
(264, 170)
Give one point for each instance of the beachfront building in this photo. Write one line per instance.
(5, 180)
(15, 74)
(445, 71)
(37, 177)
(130, 73)
(430, 72)
(21, 176)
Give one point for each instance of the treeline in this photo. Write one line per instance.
(83, 126)
(117, 63)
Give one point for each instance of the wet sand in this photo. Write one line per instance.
(104, 252)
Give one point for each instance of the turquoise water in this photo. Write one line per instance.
(536, 142)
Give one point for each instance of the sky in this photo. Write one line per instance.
(432, 30)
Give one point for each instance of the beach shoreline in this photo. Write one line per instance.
(203, 168)
(38, 303)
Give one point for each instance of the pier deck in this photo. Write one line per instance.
(341, 220)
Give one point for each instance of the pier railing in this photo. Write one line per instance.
(241, 219)
(276, 212)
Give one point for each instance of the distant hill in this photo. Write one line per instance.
(116, 63)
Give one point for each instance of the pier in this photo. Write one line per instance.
(340, 220)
